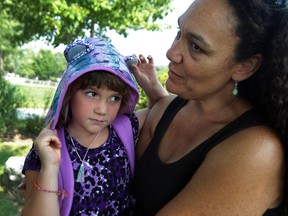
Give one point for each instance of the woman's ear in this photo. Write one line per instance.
(247, 68)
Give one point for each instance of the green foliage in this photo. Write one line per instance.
(162, 76)
(60, 21)
(48, 66)
(8, 28)
(7, 206)
(31, 127)
(44, 64)
(10, 100)
(36, 97)
(7, 150)
(22, 63)
(13, 97)
(60, 63)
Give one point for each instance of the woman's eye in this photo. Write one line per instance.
(195, 48)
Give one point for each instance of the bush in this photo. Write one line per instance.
(162, 76)
(10, 99)
(31, 127)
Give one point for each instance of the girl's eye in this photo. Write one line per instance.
(116, 98)
(91, 94)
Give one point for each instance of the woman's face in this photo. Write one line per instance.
(201, 56)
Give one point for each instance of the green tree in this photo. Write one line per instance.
(162, 74)
(47, 65)
(44, 64)
(9, 28)
(60, 21)
(22, 63)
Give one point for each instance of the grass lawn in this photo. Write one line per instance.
(7, 206)
(37, 97)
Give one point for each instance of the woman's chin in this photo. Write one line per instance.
(170, 86)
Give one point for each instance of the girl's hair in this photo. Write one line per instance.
(264, 30)
(97, 79)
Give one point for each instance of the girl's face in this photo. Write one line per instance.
(201, 56)
(94, 109)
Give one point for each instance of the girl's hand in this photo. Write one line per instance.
(145, 72)
(48, 146)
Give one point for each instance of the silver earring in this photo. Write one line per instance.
(235, 90)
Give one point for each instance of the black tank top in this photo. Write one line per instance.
(156, 183)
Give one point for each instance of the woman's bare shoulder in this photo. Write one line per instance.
(257, 148)
(157, 111)
(258, 142)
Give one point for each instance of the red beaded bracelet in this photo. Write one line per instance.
(62, 192)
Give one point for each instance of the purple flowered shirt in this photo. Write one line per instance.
(107, 189)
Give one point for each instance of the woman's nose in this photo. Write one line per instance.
(174, 52)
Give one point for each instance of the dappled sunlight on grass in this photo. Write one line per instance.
(7, 151)
(7, 206)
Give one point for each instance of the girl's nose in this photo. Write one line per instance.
(100, 107)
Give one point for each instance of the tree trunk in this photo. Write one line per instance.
(1, 61)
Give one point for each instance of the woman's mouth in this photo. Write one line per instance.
(173, 75)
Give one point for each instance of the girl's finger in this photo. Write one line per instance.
(150, 59)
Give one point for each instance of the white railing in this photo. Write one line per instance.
(16, 79)
(24, 113)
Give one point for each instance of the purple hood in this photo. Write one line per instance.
(88, 55)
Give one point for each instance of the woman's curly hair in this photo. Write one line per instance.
(264, 30)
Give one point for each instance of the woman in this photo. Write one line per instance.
(217, 145)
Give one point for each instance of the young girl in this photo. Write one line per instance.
(81, 163)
